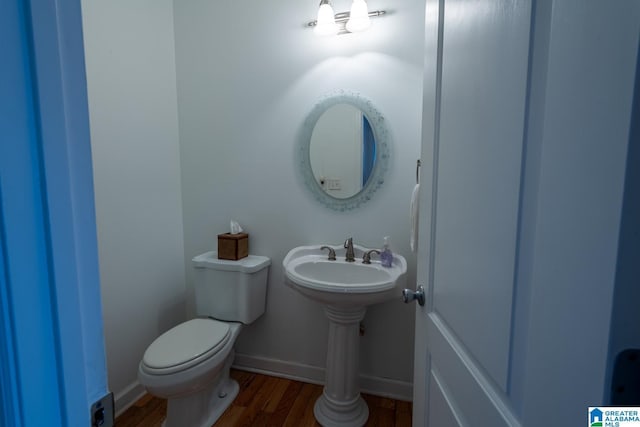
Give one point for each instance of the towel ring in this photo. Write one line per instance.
(418, 164)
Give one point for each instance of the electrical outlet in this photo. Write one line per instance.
(102, 413)
(334, 184)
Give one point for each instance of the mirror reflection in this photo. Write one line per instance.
(342, 151)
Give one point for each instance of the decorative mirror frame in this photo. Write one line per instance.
(383, 150)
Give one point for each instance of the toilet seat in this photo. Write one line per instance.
(185, 345)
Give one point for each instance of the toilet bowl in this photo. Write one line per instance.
(189, 364)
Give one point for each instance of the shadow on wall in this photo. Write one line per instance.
(171, 313)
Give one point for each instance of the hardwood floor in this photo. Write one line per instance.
(265, 401)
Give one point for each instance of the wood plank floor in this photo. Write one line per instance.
(265, 401)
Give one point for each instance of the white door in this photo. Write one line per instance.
(527, 111)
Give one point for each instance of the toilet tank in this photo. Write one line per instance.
(231, 290)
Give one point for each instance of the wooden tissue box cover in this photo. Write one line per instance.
(233, 246)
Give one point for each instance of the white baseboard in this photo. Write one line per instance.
(378, 386)
(127, 397)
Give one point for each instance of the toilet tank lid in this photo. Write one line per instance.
(249, 264)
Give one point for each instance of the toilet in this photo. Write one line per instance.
(189, 364)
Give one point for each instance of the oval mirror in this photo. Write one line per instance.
(344, 150)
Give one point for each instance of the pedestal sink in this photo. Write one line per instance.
(345, 289)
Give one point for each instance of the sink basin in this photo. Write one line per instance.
(341, 283)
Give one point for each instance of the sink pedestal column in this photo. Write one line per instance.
(341, 404)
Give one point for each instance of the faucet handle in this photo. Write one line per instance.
(348, 242)
(332, 253)
(366, 258)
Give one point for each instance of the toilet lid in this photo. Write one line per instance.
(186, 344)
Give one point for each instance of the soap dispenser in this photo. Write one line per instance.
(386, 256)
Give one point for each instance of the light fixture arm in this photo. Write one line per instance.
(344, 17)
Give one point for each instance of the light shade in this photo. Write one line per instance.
(326, 24)
(359, 17)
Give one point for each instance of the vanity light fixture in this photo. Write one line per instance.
(358, 19)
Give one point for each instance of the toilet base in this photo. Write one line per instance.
(203, 408)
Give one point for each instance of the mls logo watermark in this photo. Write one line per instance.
(614, 416)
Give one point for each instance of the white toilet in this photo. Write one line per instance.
(189, 364)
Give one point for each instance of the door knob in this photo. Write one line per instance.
(408, 295)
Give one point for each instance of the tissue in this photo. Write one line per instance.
(234, 245)
(235, 227)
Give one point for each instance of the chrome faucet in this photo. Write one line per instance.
(332, 253)
(350, 255)
(366, 259)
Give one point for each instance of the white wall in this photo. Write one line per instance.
(248, 73)
(132, 101)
